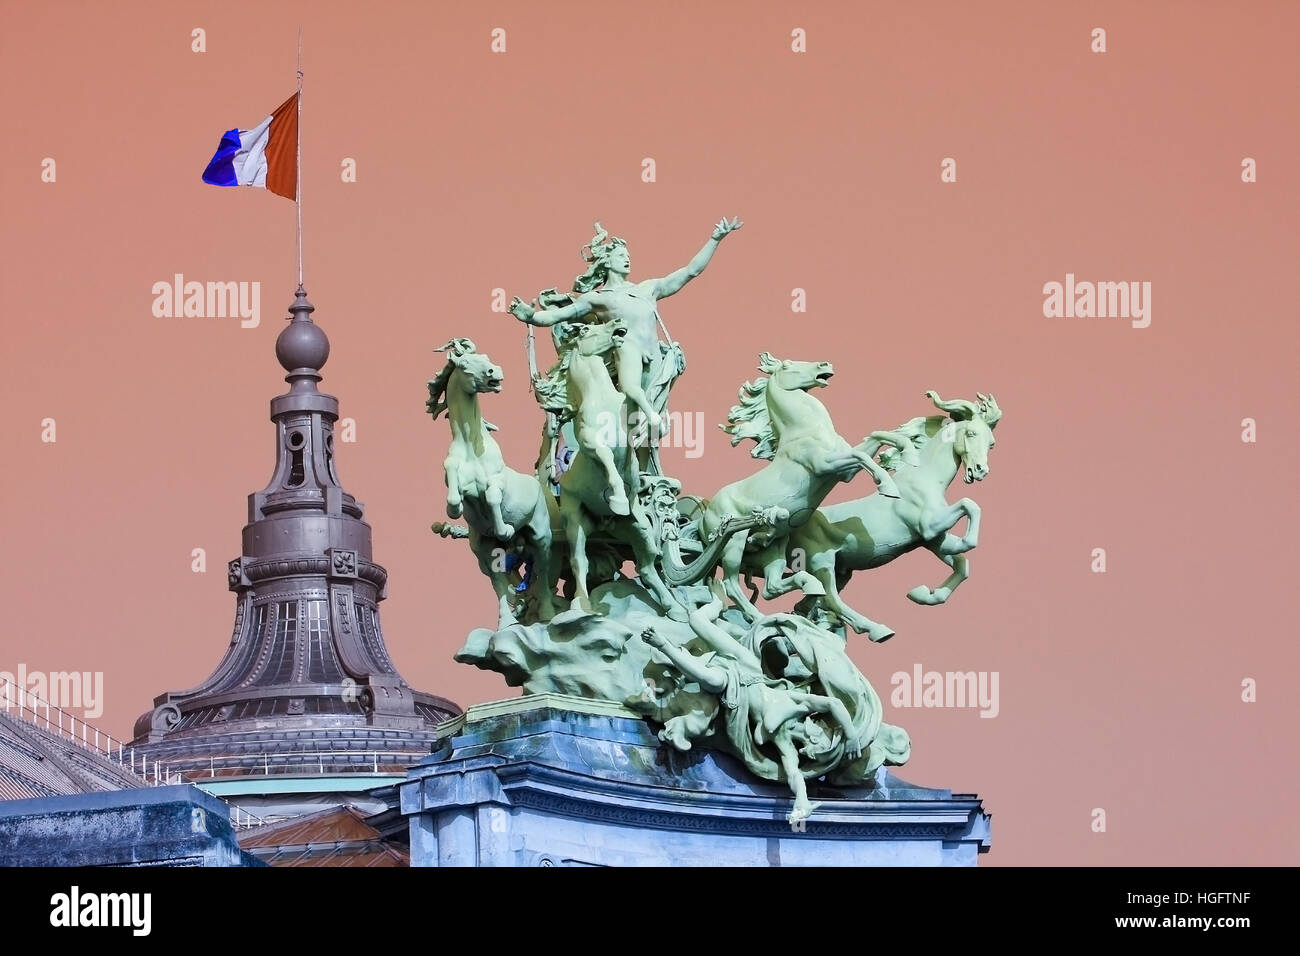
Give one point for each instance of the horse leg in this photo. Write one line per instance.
(883, 479)
(617, 494)
(972, 536)
(960, 565)
(576, 529)
(900, 441)
(846, 466)
(489, 562)
(773, 560)
(733, 555)
(493, 496)
(822, 566)
(644, 557)
(539, 532)
(451, 469)
(939, 522)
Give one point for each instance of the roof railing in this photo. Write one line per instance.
(65, 725)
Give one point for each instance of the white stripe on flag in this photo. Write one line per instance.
(250, 161)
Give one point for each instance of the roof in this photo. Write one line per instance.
(339, 836)
(36, 762)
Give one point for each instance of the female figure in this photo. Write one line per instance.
(646, 367)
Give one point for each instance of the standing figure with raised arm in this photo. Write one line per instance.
(646, 367)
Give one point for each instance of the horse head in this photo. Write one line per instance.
(779, 402)
(970, 431)
(791, 375)
(599, 338)
(467, 370)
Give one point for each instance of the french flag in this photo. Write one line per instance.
(265, 156)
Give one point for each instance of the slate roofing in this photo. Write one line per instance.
(35, 762)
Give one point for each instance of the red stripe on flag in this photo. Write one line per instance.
(282, 150)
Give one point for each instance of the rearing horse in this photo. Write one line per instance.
(602, 483)
(872, 531)
(580, 388)
(499, 504)
(794, 432)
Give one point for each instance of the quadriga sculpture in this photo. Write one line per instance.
(652, 624)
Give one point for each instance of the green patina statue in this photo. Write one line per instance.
(681, 642)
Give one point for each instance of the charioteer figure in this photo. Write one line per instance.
(645, 366)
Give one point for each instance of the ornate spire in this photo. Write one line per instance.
(305, 476)
(307, 654)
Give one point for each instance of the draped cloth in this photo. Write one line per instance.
(831, 674)
(662, 372)
(745, 738)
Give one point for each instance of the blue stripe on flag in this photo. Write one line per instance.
(221, 171)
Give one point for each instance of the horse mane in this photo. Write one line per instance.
(750, 419)
(456, 348)
(918, 431)
(437, 403)
(552, 389)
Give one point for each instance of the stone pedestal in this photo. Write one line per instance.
(149, 826)
(560, 781)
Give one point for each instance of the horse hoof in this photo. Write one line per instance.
(619, 505)
(879, 634)
(920, 595)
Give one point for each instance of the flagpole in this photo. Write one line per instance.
(298, 198)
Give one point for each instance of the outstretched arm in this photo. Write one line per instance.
(673, 283)
(711, 679)
(704, 622)
(574, 311)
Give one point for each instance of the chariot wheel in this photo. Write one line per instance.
(690, 507)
